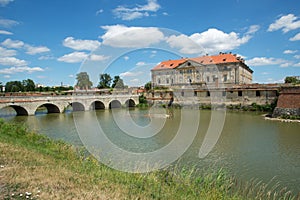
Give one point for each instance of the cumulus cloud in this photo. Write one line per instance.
(7, 52)
(22, 69)
(290, 51)
(95, 57)
(210, 41)
(31, 50)
(14, 44)
(7, 23)
(5, 2)
(12, 61)
(79, 44)
(131, 74)
(286, 23)
(295, 38)
(262, 61)
(74, 57)
(2, 32)
(130, 37)
(138, 11)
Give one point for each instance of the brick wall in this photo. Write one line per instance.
(289, 97)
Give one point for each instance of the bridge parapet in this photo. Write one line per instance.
(27, 105)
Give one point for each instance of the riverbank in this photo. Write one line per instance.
(35, 166)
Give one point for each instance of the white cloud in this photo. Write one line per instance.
(262, 61)
(297, 65)
(123, 36)
(126, 57)
(7, 52)
(31, 50)
(139, 64)
(7, 76)
(95, 57)
(74, 57)
(12, 61)
(7, 23)
(139, 11)
(2, 32)
(290, 51)
(46, 57)
(99, 11)
(81, 44)
(131, 74)
(15, 44)
(5, 2)
(297, 56)
(210, 41)
(253, 29)
(295, 38)
(286, 23)
(26, 69)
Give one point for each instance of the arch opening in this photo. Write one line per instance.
(114, 104)
(76, 106)
(47, 108)
(19, 110)
(97, 105)
(130, 103)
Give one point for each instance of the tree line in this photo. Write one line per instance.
(105, 81)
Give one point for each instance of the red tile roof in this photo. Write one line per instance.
(205, 60)
(170, 64)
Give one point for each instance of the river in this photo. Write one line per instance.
(249, 147)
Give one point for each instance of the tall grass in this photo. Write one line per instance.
(48, 169)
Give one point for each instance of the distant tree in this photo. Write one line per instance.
(28, 85)
(83, 81)
(148, 86)
(118, 82)
(291, 79)
(1, 86)
(105, 81)
(14, 86)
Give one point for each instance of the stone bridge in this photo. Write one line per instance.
(28, 105)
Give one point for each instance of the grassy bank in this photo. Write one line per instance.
(35, 166)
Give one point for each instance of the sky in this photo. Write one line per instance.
(50, 41)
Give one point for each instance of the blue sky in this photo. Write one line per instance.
(50, 41)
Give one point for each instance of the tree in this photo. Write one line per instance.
(105, 81)
(148, 86)
(14, 86)
(291, 79)
(83, 81)
(28, 85)
(117, 82)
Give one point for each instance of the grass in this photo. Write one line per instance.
(35, 166)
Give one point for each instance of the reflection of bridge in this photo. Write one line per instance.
(28, 105)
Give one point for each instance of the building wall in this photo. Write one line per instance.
(227, 74)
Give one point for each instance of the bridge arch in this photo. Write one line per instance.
(51, 108)
(130, 103)
(115, 104)
(20, 111)
(97, 105)
(77, 106)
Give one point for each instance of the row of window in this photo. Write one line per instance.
(240, 93)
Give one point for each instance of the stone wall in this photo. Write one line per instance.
(288, 103)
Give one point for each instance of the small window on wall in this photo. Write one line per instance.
(225, 78)
(207, 79)
(195, 93)
(158, 81)
(240, 93)
(182, 93)
(258, 93)
(208, 93)
(223, 93)
(167, 81)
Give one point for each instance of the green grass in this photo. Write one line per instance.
(55, 170)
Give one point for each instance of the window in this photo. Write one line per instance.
(207, 79)
(195, 93)
(158, 81)
(167, 81)
(223, 93)
(225, 78)
(182, 93)
(208, 94)
(258, 93)
(240, 93)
